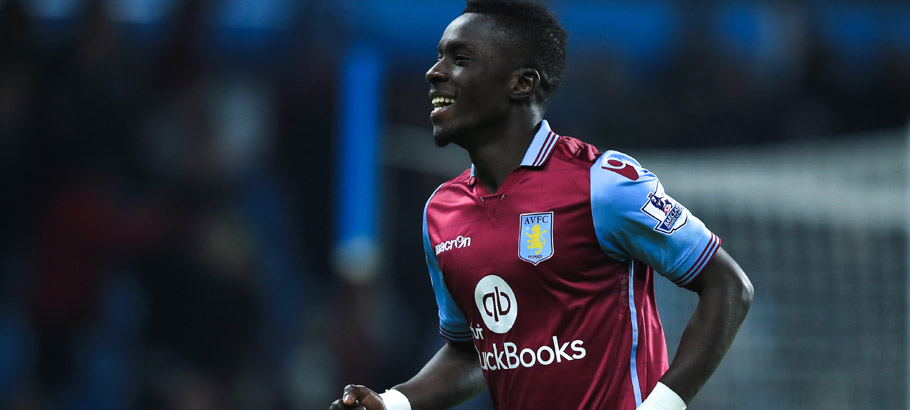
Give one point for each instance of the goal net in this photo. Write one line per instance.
(821, 228)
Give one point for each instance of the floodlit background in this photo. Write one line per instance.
(217, 204)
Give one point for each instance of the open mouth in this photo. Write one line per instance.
(441, 103)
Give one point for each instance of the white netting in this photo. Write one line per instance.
(821, 229)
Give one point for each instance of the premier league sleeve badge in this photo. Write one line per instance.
(669, 214)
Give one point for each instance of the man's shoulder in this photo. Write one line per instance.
(576, 151)
(624, 166)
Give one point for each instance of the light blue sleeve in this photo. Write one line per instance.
(635, 219)
(452, 324)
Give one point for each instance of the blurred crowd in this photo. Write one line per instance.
(151, 250)
(705, 97)
(166, 213)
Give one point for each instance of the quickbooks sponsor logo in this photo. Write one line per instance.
(459, 242)
(509, 356)
(496, 302)
(498, 307)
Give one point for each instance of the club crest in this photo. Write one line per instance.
(535, 239)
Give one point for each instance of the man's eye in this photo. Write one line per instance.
(461, 59)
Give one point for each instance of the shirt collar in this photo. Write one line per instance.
(539, 150)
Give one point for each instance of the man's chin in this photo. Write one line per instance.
(440, 138)
(440, 142)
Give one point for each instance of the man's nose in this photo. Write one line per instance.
(436, 73)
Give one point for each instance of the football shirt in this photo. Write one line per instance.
(552, 276)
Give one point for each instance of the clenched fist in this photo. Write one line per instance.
(356, 397)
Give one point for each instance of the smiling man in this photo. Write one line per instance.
(543, 254)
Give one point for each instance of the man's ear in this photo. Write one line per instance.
(524, 82)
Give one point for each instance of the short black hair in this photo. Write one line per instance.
(535, 35)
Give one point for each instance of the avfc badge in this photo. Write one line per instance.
(535, 239)
(669, 214)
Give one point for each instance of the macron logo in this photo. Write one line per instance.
(459, 242)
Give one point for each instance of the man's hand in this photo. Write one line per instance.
(452, 376)
(356, 397)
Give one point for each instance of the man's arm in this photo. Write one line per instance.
(452, 376)
(724, 297)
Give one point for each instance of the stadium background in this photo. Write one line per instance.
(216, 204)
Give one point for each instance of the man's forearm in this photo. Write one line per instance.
(725, 295)
(452, 376)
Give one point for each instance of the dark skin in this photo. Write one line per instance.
(495, 115)
(496, 110)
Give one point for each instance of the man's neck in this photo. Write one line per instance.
(500, 151)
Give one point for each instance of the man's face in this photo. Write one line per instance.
(469, 84)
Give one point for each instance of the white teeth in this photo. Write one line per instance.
(442, 101)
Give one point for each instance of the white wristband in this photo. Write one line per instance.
(395, 400)
(662, 398)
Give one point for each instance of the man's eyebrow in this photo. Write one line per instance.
(456, 45)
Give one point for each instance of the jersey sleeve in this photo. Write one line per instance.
(635, 219)
(452, 324)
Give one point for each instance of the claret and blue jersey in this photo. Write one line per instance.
(552, 276)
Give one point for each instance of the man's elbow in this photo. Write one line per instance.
(745, 291)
